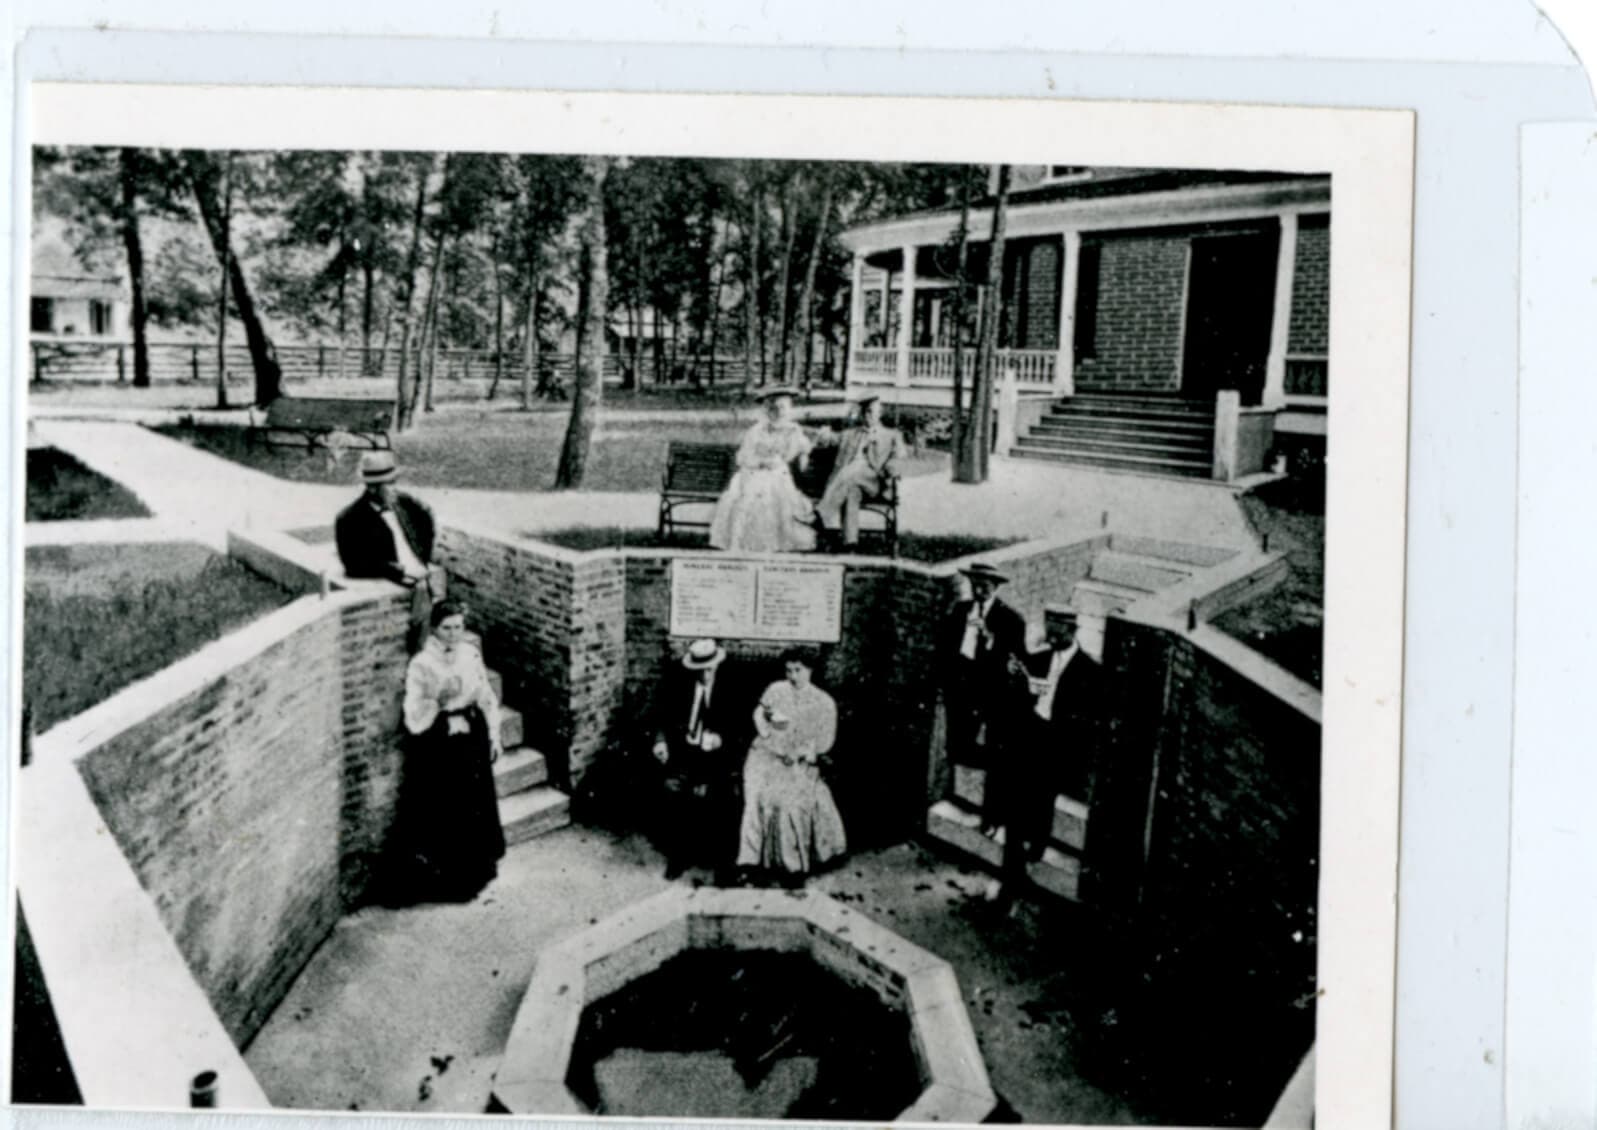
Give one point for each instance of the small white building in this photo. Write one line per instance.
(68, 300)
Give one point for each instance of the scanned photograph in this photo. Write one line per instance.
(672, 636)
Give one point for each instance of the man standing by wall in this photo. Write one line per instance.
(386, 534)
(979, 635)
(1047, 739)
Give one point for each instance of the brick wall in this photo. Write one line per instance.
(1311, 288)
(372, 659)
(1040, 575)
(1031, 313)
(226, 803)
(1141, 298)
(1221, 875)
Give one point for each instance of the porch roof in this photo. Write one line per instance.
(1107, 206)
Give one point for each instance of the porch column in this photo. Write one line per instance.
(906, 317)
(884, 309)
(1286, 265)
(856, 316)
(1065, 365)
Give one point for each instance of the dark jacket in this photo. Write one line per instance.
(366, 546)
(1057, 754)
(729, 715)
(1006, 636)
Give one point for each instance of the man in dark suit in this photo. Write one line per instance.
(702, 725)
(978, 637)
(386, 534)
(1046, 742)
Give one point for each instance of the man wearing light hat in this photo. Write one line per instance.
(978, 638)
(701, 733)
(386, 534)
(866, 464)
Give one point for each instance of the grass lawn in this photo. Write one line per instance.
(1286, 624)
(929, 549)
(480, 449)
(61, 489)
(80, 647)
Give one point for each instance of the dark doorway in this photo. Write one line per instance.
(1230, 305)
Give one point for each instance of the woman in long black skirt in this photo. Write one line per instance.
(448, 819)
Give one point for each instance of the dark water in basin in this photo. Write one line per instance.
(731, 1034)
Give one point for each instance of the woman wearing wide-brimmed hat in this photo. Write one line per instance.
(763, 509)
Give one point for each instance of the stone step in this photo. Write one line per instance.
(510, 728)
(1182, 553)
(1173, 413)
(1088, 431)
(1070, 815)
(532, 813)
(1058, 871)
(518, 770)
(1105, 422)
(1134, 572)
(1155, 399)
(1117, 444)
(1099, 598)
(1143, 464)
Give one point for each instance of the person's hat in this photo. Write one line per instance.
(984, 571)
(378, 467)
(866, 400)
(765, 394)
(701, 654)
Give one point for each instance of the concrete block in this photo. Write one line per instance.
(934, 987)
(945, 1044)
(537, 1096)
(633, 959)
(941, 1103)
(518, 770)
(510, 728)
(970, 785)
(1070, 823)
(1057, 873)
(533, 812)
(940, 825)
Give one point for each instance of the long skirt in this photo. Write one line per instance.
(763, 511)
(790, 821)
(449, 836)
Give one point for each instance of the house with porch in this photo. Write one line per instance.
(68, 300)
(1164, 321)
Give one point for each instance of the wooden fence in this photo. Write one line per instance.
(111, 361)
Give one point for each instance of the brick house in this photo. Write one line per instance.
(1135, 294)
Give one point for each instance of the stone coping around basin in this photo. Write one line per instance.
(641, 938)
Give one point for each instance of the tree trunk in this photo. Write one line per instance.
(268, 375)
(412, 264)
(963, 471)
(343, 319)
(529, 346)
(715, 313)
(784, 324)
(980, 438)
(499, 326)
(429, 319)
(134, 247)
(592, 297)
(221, 306)
(808, 299)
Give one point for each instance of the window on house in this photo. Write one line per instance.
(1088, 270)
(99, 317)
(41, 315)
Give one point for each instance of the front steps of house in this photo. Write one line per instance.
(528, 805)
(1146, 432)
(957, 823)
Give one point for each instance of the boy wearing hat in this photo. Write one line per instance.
(699, 738)
(866, 464)
(979, 636)
(386, 534)
(1048, 740)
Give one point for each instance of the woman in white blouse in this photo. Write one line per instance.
(449, 814)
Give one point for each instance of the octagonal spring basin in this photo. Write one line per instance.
(743, 1004)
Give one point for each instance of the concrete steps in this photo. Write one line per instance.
(956, 822)
(529, 806)
(1146, 433)
(1133, 571)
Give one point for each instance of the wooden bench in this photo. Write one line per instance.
(699, 473)
(314, 418)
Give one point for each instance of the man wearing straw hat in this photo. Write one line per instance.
(867, 463)
(701, 733)
(386, 534)
(978, 638)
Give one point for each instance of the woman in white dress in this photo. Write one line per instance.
(448, 821)
(790, 821)
(762, 509)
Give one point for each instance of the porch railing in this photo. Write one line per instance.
(1034, 368)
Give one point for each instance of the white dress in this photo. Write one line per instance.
(790, 821)
(762, 509)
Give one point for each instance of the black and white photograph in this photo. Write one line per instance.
(774, 617)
